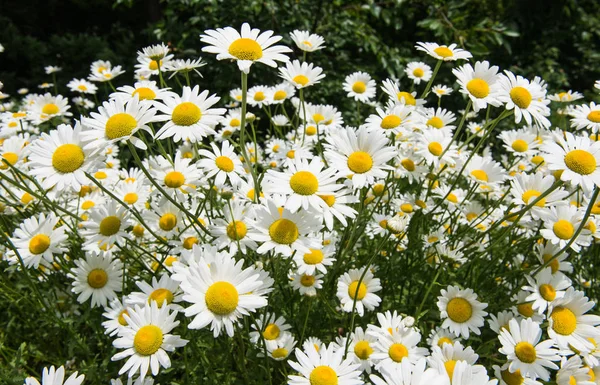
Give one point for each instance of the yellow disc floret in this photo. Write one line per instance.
(564, 321)
(357, 292)
(323, 375)
(167, 222)
(521, 97)
(120, 125)
(525, 352)
(148, 340)
(360, 162)
(478, 88)
(174, 179)
(222, 298)
(563, 229)
(224, 163)
(283, 231)
(304, 183)
(186, 114)
(245, 49)
(110, 225)
(390, 121)
(97, 278)
(397, 352)
(160, 296)
(39, 243)
(236, 230)
(580, 162)
(363, 350)
(67, 158)
(459, 310)
(271, 332)
(359, 87)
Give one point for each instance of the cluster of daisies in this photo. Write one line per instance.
(199, 200)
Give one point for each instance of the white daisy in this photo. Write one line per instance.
(461, 311)
(443, 52)
(37, 239)
(527, 99)
(97, 277)
(358, 294)
(301, 75)
(324, 367)
(306, 41)
(479, 84)
(54, 376)
(360, 86)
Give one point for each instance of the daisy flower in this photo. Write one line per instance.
(281, 92)
(246, 48)
(431, 144)
(400, 345)
(545, 288)
(284, 232)
(360, 86)
(144, 90)
(561, 223)
(13, 151)
(325, 366)
(485, 171)
(586, 117)
(337, 205)
(443, 52)
(82, 86)
(394, 119)
(282, 348)
(569, 325)
(273, 329)
(396, 96)
(164, 292)
(524, 350)
(303, 184)
(445, 358)
(360, 155)
(189, 117)
(107, 75)
(527, 187)
(146, 340)
(461, 311)
(222, 164)
(47, 106)
(354, 293)
(307, 284)
(306, 41)
(107, 225)
(418, 72)
(234, 230)
(566, 97)
(441, 90)
(440, 118)
(60, 160)
(54, 376)
(572, 372)
(178, 177)
(37, 239)
(361, 346)
(97, 277)
(526, 98)
(407, 373)
(220, 293)
(301, 75)
(479, 84)
(114, 313)
(134, 194)
(118, 120)
(520, 142)
(257, 96)
(505, 377)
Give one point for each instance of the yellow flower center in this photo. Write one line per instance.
(564, 321)
(444, 340)
(530, 195)
(408, 98)
(360, 162)
(512, 378)
(525, 352)
(148, 340)
(87, 205)
(283, 231)
(520, 145)
(563, 229)
(459, 310)
(397, 352)
(580, 162)
(259, 96)
(547, 292)
(174, 179)
(452, 198)
(449, 366)
(11, 158)
(39, 243)
(82, 87)
(167, 222)
(186, 114)
(224, 163)
(271, 332)
(160, 296)
(520, 97)
(67, 158)
(480, 175)
(363, 350)
(307, 280)
(153, 65)
(435, 122)
(279, 95)
(138, 230)
(304, 183)
(144, 93)
(120, 125)
(390, 121)
(525, 309)
(97, 278)
(314, 257)
(418, 72)
(359, 87)
(110, 226)
(357, 292)
(317, 118)
(329, 199)
(50, 109)
(478, 88)
(594, 116)
(121, 319)
(222, 298)
(291, 154)
(246, 49)
(280, 353)
(130, 198)
(236, 230)
(408, 164)
(323, 375)
(301, 79)
(444, 52)
(311, 130)
(100, 175)
(435, 148)
(407, 208)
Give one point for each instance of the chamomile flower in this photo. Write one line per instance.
(284, 232)
(82, 86)
(60, 159)
(54, 376)
(282, 348)
(222, 164)
(360, 155)
(360, 86)
(273, 329)
(572, 372)
(220, 294)
(569, 325)
(560, 225)
(577, 157)
(257, 96)
(443, 52)
(306, 41)
(281, 92)
(418, 72)
(485, 171)
(361, 346)
(479, 84)
(178, 177)
(586, 117)
(358, 294)
(107, 75)
(520, 142)
(301, 75)
(184, 66)
(396, 119)
(525, 353)
(545, 288)
(315, 260)
(97, 277)
(407, 373)
(144, 90)
(189, 117)
(37, 240)
(246, 48)
(399, 345)
(307, 284)
(234, 230)
(461, 311)
(441, 90)
(47, 106)
(106, 225)
(566, 97)
(526, 98)
(114, 313)
(118, 120)
(165, 292)
(147, 339)
(391, 88)
(337, 205)
(435, 147)
(325, 366)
